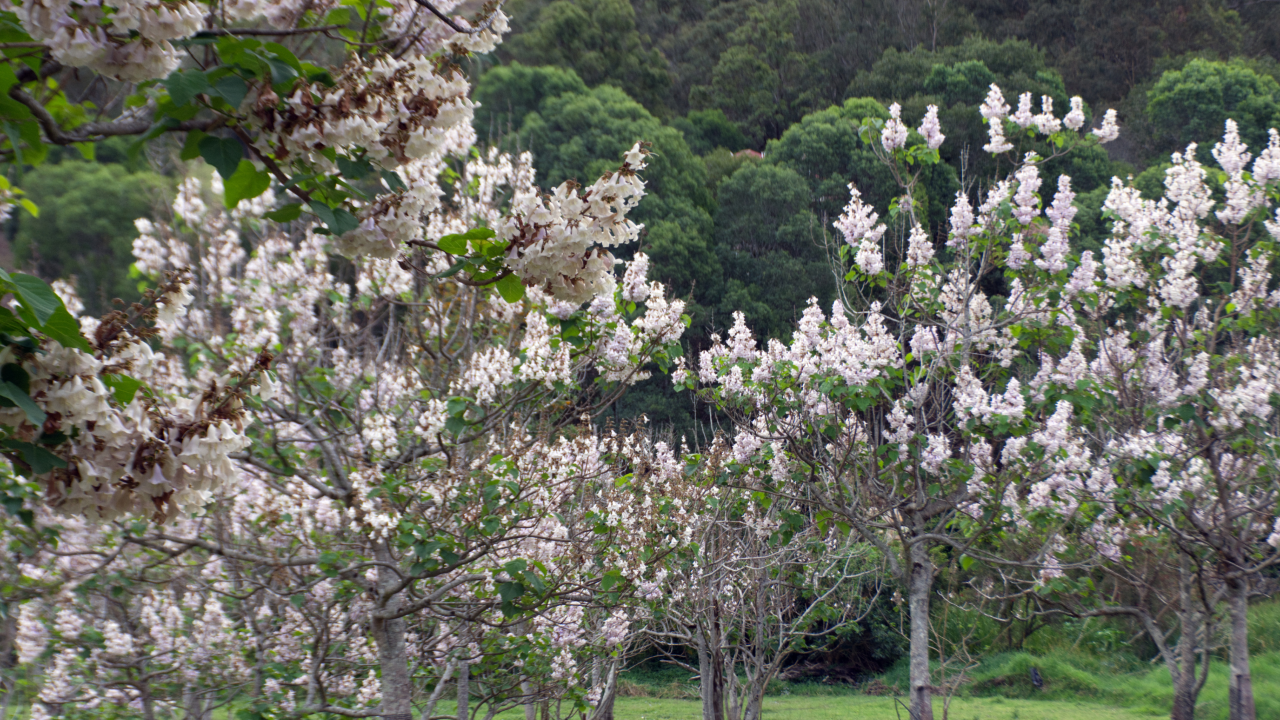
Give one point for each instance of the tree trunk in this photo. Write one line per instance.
(393, 656)
(1184, 674)
(193, 704)
(755, 698)
(717, 663)
(732, 691)
(604, 710)
(530, 708)
(464, 690)
(920, 585)
(710, 667)
(1242, 707)
(445, 676)
(148, 705)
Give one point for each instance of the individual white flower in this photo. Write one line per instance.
(894, 134)
(1075, 119)
(1108, 130)
(994, 107)
(997, 143)
(931, 129)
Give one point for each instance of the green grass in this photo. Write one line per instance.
(862, 707)
(1080, 677)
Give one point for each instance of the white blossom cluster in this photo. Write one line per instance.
(124, 39)
(996, 111)
(560, 242)
(154, 456)
(860, 230)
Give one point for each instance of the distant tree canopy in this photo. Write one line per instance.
(706, 130)
(507, 93)
(599, 41)
(86, 225)
(1193, 103)
(1104, 49)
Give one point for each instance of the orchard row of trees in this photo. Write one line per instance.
(354, 452)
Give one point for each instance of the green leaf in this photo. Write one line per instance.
(455, 425)
(427, 550)
(509, 591)
(343, 222)
(184, 85)
(393, 181)
(281, 72)
(40, 459)
(232, 89)
(338, 16)
(222, 153)
(337, 220)
(610, 579)
(14, 373)
(191, 146)
(353, 169)
(236, 50)
(480, 233)
(288, 213)
(284, 54)
(246, 183)
(123, 387)
(510, 288)
(37, 296)
(14, 394)
(65, 329)
(29, 207)
(322, 211)
(457, 267)
(453, 244)
(10, 323)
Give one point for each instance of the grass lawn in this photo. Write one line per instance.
(862, 707)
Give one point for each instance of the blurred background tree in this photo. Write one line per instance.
(86, 224)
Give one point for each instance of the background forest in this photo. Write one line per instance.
(752, 109)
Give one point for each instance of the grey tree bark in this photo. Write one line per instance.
(388, 635)
(530, 708)
(1193, 641)
(1241, 685)
(464, 690)
(195, 706)
(604, 710)
(711, 670)
(919, 587)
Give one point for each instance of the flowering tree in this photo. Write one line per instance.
(1182, 380)
(1003, 381)
(891, 412)
(359, 144)
(761, 583)
(418, 473)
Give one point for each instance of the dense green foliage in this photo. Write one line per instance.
(597, 39)
(86, 225)
(1194, 102)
